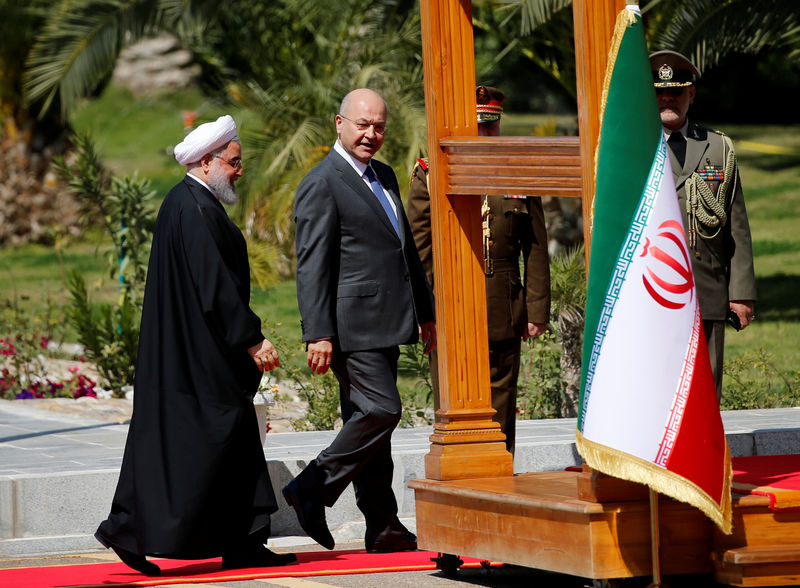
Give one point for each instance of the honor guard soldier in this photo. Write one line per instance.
(710, 195)
(516, 264)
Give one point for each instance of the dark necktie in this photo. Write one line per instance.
(381, 196)
(678, 145)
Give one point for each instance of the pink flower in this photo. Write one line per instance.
(6, 348)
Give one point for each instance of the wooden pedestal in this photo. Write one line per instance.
(764, 549)
(537, 520)
(564, 522)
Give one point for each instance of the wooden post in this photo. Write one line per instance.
(594, 24)
(466, 443)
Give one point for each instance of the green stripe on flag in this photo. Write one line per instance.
(629, 137)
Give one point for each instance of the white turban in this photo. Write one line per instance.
(205, 139)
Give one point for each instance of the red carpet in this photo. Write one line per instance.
(775, 476)
(326, 563)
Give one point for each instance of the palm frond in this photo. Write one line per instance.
(707, 31)
(79, 44)
(532, 13)
(263, 258)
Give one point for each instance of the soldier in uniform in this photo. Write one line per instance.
(710, 195)
(516, 264)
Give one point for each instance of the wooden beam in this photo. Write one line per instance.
(529, 166)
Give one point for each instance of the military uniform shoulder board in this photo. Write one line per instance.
(423, 163)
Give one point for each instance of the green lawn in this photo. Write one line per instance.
(771, 181)
(137, 135)
(34, 272)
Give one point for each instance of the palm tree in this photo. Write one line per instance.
(287, 64)
(38, 210)
(708, 31)
(515, 34)
(291, 117)
(568, 287)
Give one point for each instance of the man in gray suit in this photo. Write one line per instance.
(362, 292)
(710, 196)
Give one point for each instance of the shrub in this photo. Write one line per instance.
(540, 386)
(751, 380)
(110, 333)
(25, 355)
(321, 393)
(416, 367)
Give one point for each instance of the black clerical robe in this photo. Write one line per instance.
(194, 481)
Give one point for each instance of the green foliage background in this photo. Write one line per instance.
(289, 63)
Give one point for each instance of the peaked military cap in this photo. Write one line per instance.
(671, 69)
(489, 103)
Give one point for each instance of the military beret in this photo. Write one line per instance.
(489, 103)
(671, 69)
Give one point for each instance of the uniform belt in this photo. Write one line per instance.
(505, 265)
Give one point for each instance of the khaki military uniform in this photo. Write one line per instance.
(517, 288)
(715, 217)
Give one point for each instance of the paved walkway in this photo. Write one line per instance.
(37, 444)
(34, 441)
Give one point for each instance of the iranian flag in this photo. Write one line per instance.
(648, 408)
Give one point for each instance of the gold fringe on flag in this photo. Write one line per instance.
(628, 467)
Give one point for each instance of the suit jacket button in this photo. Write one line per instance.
(407, 277)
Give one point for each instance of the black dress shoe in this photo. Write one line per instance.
(130, 559)
(310, 516)
(392, 541)
(258, 558)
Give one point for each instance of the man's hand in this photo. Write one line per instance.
(265, 355)
(320, 354)
(427, 332)
(534, 330)
(745, 309)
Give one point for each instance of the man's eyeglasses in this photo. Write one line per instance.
(380, 128)
(673, 91)
(235, 163)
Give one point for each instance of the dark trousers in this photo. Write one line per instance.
(715, 339)
(504, 371)
(361, 453)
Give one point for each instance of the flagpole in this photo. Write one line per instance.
(654, 541)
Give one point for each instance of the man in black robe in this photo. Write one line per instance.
(194, 481)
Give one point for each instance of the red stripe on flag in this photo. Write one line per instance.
(698, 451)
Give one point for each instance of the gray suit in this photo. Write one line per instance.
(363, 286)
(723, 263)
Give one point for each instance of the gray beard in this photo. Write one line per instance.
(221, 185)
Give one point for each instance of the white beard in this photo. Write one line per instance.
(222, 186)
